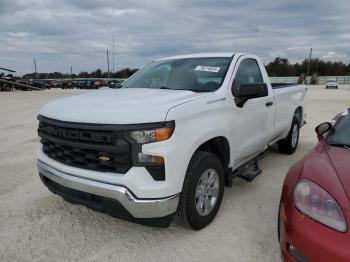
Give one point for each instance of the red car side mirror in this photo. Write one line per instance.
(323, 129)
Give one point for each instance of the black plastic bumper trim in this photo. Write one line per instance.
(102, 204)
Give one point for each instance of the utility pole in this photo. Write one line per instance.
(71, 72)
(308, 66)
(113, 56)
(35, 66)
(36, 72)
(108, 63)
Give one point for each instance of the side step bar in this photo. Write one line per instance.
(248, 171)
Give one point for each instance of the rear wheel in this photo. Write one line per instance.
(290, 143)
(202, 191)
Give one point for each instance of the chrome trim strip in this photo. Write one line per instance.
(138, 208)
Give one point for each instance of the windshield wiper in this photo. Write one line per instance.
(168, 88)
(165, 87)
(201, 91)
(192, 90)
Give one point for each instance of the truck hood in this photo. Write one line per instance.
(118, 106)
(340, 159)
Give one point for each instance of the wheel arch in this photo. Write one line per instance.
(220, 147)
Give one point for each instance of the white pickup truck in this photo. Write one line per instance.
(169, 140)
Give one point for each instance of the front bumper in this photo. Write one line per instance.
(137, 208)
(331, 86)
(310, 239)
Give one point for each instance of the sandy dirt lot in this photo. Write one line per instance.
(36, 225)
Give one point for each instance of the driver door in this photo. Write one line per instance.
(253, 122)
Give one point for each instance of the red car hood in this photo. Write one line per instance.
(327, 166)
(340, 158)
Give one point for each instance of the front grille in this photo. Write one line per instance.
(92, 147)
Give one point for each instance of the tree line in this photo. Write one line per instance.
(124, 73)
(279, 67)
(282, 67)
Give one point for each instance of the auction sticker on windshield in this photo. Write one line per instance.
(213, 69)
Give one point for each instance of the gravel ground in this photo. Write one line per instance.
(36, 225)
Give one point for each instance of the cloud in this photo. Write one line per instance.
(78, 32)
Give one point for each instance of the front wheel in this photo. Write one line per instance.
(290, 143)
(202, 191)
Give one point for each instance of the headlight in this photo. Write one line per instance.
(317, 203)
(150, 136)
(153, 163)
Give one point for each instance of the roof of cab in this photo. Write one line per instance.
(198, 55)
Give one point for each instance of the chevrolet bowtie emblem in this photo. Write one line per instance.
(104, 158)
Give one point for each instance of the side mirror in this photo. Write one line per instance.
(244, 92)
(323, 129)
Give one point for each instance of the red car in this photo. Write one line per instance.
(314, 212)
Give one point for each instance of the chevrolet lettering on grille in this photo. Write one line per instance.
(74, 134)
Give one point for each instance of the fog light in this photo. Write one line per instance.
(296, 254)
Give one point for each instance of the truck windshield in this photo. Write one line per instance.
(340, 135)
(193, 74)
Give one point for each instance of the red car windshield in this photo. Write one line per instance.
(340, 135)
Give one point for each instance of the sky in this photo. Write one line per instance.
(77, 33)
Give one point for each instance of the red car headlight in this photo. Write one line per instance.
(315, 202)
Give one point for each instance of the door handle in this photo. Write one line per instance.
(270, 103)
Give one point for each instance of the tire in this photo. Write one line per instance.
(202, 165)
(289, 144)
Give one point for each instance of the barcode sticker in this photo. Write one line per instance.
(213, 69)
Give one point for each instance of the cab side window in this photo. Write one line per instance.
(248, 73)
